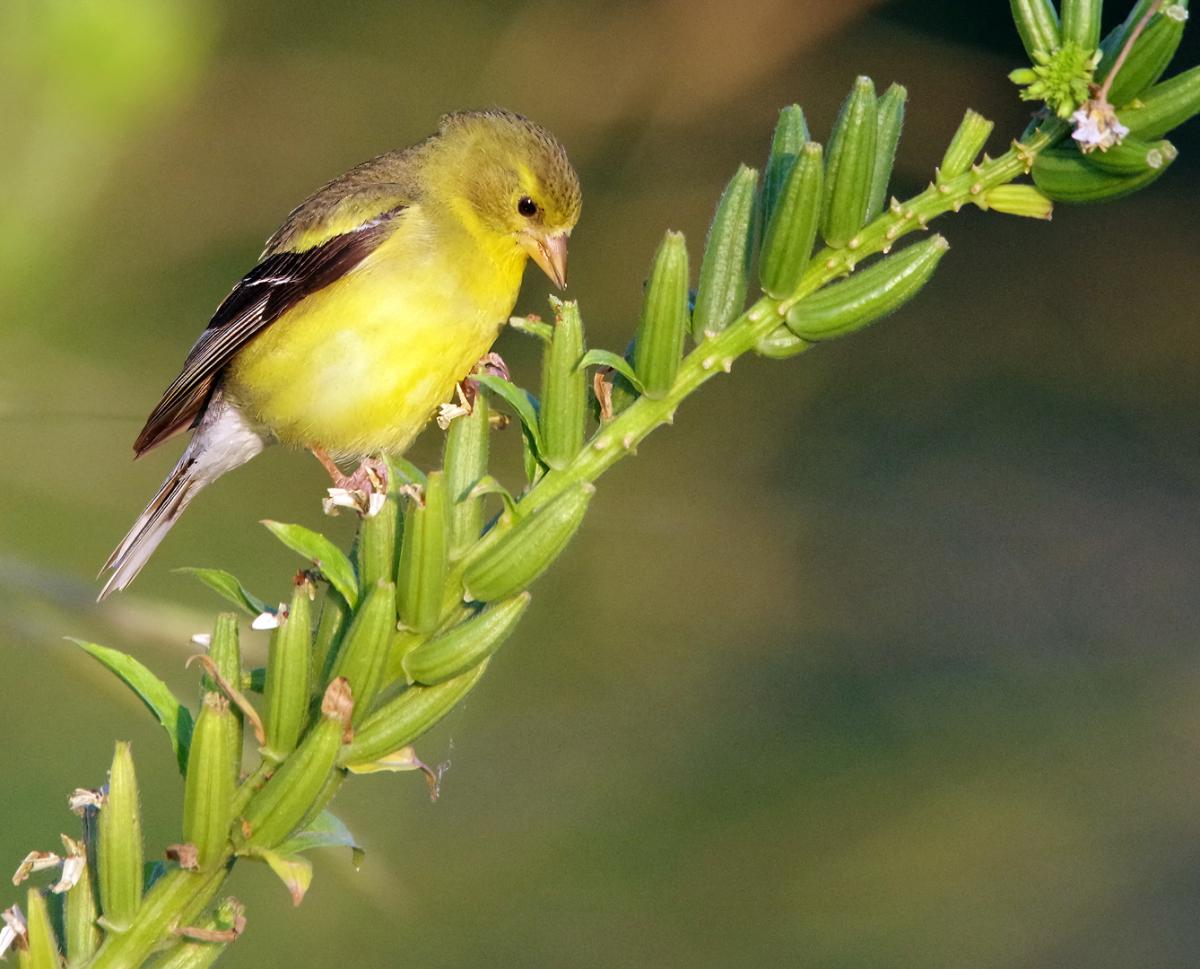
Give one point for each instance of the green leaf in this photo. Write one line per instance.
(327, 830)
(606, 358)
(520, 400)
(175, 718)
(402, 472)
(230, 587)
(295, 872)
(322, 553)
(530, 326)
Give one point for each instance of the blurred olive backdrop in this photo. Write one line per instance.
(886, 656)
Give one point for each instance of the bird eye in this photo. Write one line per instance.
(527, 206)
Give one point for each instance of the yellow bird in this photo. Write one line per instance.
(377, 296)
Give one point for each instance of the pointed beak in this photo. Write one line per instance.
(550, 253)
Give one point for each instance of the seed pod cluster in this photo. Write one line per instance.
(1066, 175)
(1151, 53)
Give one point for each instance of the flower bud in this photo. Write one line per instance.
(965, 146)
(365, 648)
(850, 165)
(793, 229)
(868, 294)
(466, 645)
(289, 675)
(781, 344)
(887, 138)
(1021, 200)
(659, 340)
(423, 557)
(286, 799)
(401, 721)
(42, 951)
(791, 134)
(725, 268)
(564, 388)
(1037, 23)
(466, 461)
(511, 563)
(213, 762)
(1165, 106)
(119, 847)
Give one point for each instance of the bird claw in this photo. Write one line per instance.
(364, 491)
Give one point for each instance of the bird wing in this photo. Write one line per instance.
(281, 279)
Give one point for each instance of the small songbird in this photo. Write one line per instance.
(378, 294)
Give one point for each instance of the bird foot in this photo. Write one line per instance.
(364, 490)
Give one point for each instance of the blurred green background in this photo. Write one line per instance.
(885, 656)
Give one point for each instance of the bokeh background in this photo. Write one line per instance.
(886, 656)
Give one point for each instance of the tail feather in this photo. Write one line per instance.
(224, 440)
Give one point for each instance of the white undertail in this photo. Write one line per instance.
(225, 439)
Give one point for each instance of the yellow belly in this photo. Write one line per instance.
(360, 366)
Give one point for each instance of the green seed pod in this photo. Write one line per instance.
(664, 319)
(213, 761)
(1151, 53)
(466, 645)
(851, 163)
(289, 675)
(1021, 200)
(1111, 45)
(423, 557)
(365, 647)
(1133, 156)
(887, 139)
(284, 801)
(793, 230)
(1037, 23)
(781, 344)
(510, 564)
(378, 550)
(228, 918)
(119, 847)
(79, 919)
(1165, 106)
(725, 268)
(42, 948)
(564, 388)
(401, 721)
(791, 134)
(1064, 175)
(965, 146)
(868, 294)
(225, 652)
(466, 461)
(330, 629)
(1081, 22)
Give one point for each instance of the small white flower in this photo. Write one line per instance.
(202, 639)
(82, 798)
(1097, 127)
(449, 413)
(14, 930)
(266, 620)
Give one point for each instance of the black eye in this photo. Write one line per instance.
(527, 206)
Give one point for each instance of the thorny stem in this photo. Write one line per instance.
(1126, 47)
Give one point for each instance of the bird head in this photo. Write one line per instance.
(515, 188)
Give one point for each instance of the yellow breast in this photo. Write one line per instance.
(360, 366)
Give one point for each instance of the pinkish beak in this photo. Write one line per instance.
(550, 253)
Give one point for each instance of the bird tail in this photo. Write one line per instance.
(224, 440)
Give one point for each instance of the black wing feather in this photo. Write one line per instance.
(264, 294)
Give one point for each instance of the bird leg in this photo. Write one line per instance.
(364, 490)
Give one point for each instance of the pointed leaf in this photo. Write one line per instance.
(229, 586)
(175, 718)
(327, 830)
(326, 556)
(606, 358)
(295, 872)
